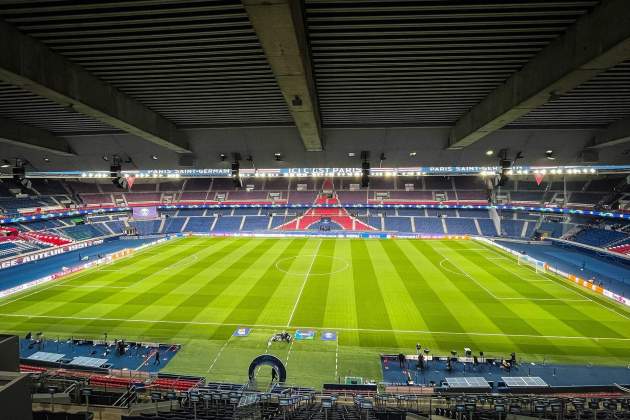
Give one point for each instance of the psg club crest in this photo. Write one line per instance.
(304, 335)
(329, 336)
(241, 332)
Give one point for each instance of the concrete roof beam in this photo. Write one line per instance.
(279, 25)
(29, 64)
(596, 42)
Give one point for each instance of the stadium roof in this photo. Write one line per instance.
(313, 80)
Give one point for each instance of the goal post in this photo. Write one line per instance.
(526, 260)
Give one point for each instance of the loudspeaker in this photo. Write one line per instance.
(18, 172)
(365, 174)
(187, 160)
(114, 170)
(589, 155)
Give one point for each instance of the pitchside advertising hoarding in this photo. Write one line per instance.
(39, 255)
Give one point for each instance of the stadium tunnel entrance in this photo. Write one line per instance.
(268, 360)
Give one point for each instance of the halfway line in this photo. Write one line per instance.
(269, 326)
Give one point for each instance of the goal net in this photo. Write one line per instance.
(536, 265)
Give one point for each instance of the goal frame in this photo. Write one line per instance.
(537, 266)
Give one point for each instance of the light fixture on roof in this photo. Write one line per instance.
(489, 152)
(154, 157)
(413, 154)
(222, 157)
(351, 154)
(105, 158)
(549, 155)
(5, 164)
(277, 156)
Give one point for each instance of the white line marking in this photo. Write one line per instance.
(77, 276)
(286, 362)
(149, 356)
(291, 273)
(560, 282)
(448, 269)
(456, 251)
(268, 326)
(85, 286)
(336, 357)
(543, 299)
(470, 277)
(218, 355)
(299, 297)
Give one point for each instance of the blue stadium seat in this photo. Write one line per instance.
(199, 224)
(174, 224)
(429, 225)
(487, 227)
(228, 224)
(190, 212)
(598, 237)
(147, 227)
(398, 224)
(253, 223)
(461, 226)
(511, 228)
(474, 213)
(246, 211)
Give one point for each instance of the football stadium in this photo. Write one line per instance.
(314, 209)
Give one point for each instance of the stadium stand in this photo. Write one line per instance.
(429, 225)
(460, 226)
(253, 223)
(598, 237)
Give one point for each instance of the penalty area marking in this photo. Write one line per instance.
(273, 327)
(560, 282)
(462, 273)
(467, 275)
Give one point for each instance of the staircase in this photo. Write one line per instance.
(337, 215)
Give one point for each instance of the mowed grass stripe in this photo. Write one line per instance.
(73, 301)
(616, 313)
(129, 304)
(402, 311)
(500, 314)
(434, 312)
(214, 286)
(561, 311)
(588, 319)
(31, 299)
(311, 309)
(461, 303)
(554, 317)
(253, 303)
(370, 307)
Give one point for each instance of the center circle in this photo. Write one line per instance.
(312, 265)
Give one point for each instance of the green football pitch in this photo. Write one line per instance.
(379, 296)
